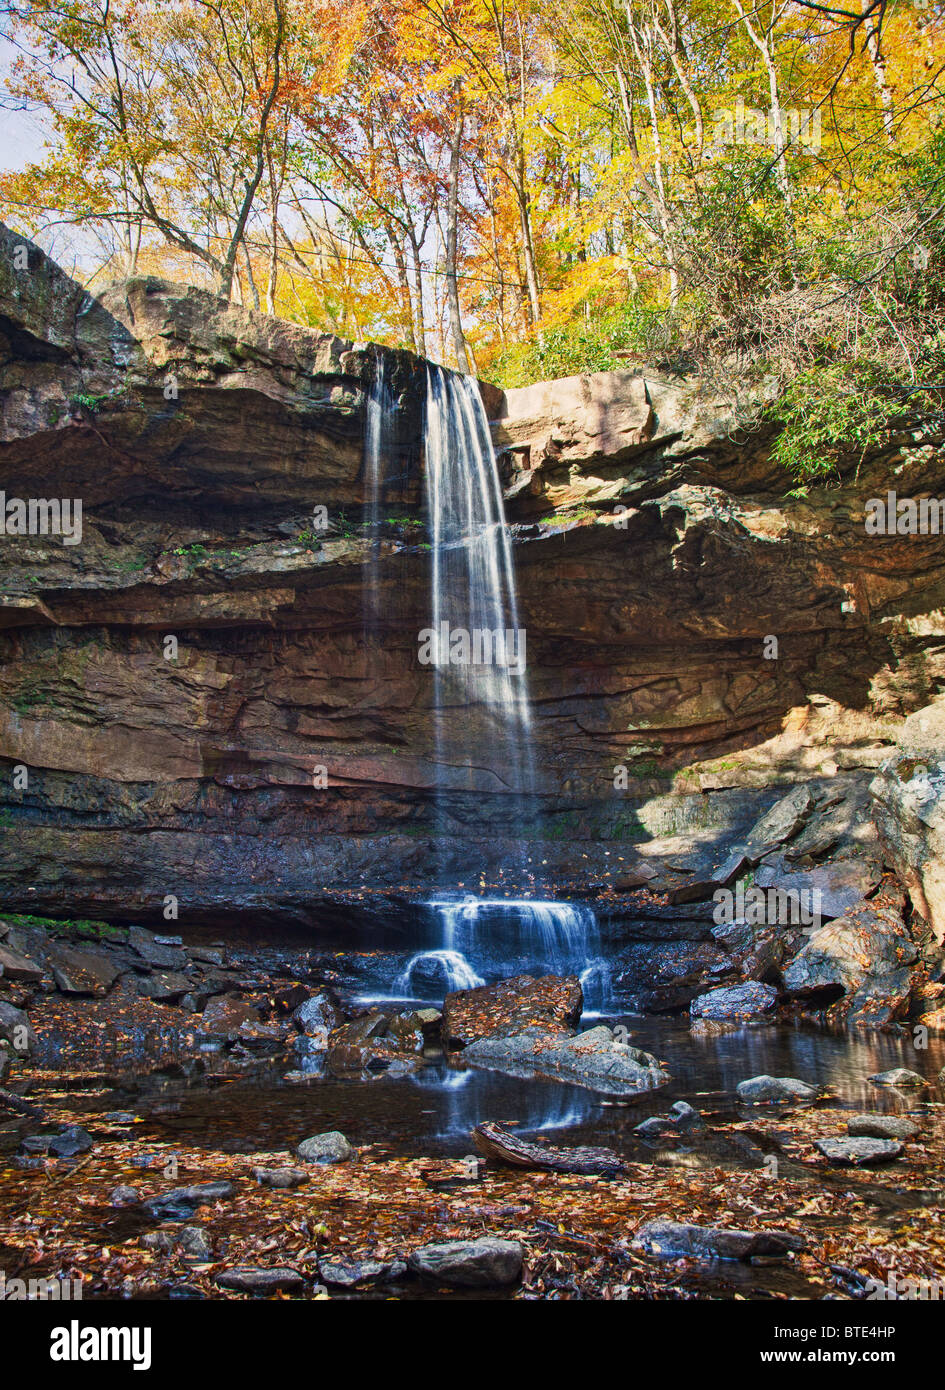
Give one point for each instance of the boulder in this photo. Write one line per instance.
(469, 1264)
(16, 1029)
(163, 986)
(331, 1147)
(285, 1177)
(866, 953)
(858, 1152)
(838, 885)
(341, 1273)
(14, 966)
(225, 1015)
(194, 1242)
(261, 1282)
(87, 973)
(68, 1143)
(374, 1042)
(181, 1202)
(594, 1059)
(150, 949)
(552, 1003)
(897, 1076)
(909, 806)
(780, 823)
(760, 1090)
(317, 1017)
(881, 1127)
(123, 1195)
(674, 1239)
(735, 1003)
(681, 1120)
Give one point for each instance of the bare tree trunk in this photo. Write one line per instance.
(452, 218)
(250, 277)
(252, 184)
(878, 65)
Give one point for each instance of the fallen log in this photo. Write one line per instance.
(20, 1107)
(500, 1144)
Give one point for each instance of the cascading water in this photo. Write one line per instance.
(444, 970)
(487, 939)
(482, 724)
(377, 432)
(481, 715)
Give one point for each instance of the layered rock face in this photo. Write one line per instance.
(275, 757)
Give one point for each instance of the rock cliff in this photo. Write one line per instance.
(656, 553)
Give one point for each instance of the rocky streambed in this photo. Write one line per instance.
(249, 1130)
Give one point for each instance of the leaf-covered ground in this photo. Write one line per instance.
(577, 1231)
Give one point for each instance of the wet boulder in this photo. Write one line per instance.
(84, 973)
(881, 1127)
(682, 1121)
(68, 1143)
(317, 1017)
(181, 1202)
(552, 1003)
(225, 1015)
(469, 1264)
(660, 976)
(897, 1076)
(340, 1273)
(331, 1147)
(595, 1059)
(253, 1279)
(735, 1003)
(765, 1090)
(858, 1152)
(675, 1239)
(375, 1042)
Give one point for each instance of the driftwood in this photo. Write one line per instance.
(21, 1107)
(500, 1144)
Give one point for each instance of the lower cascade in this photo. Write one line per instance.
(447, 969)
(480, 940)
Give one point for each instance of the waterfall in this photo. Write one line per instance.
(474, 611)
(377, 431)
(442, 970)
(481, 940)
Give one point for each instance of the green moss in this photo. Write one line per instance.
(81, 928)
(28, 697)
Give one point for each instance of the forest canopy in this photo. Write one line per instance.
(522, 189)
